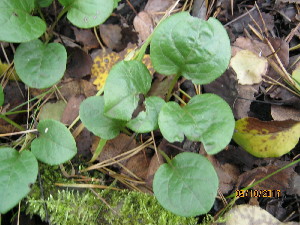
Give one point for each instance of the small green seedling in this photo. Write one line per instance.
(181, 46)
(18, 170)
(40, 64)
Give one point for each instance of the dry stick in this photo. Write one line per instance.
(239, 17)
(292, 33)
(287, 76)
(119, 158)
(155, 148)
(256, 24)
(86, 186)
(103, 200)
(19, 132)
(131, 6)
(262, 19)
(4, 53)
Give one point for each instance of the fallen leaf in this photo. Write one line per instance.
(243, 102)
(266, 138)
(280, 113)
(279, 94)
(143, 24)
(153, 7)
(227, 173)
(114, 147)
(250, 215)
(138, 165)
(296, 77)
(249, 67)
(280, 181)
(52, 110)
(71, 110)
(86, 37)
(226, 86)
(84, 143)
(105, 60)
(77, 87)
(111, 36)
(79, 63)
(101, 67)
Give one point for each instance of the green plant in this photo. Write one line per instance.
(39, 64)
(180, 46)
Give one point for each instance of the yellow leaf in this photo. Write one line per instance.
(249, 67)
(266, 138)
(296, 77)
(105, 61)
(4, 67)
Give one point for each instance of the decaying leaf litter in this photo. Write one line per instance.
(264, 38)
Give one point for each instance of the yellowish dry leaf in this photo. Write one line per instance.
(249, 67)
(266, 138)
(104, 62)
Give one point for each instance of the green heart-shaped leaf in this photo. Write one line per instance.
(40, 65)
(91, 115)
(55, 145)
(17, 23)
(197, 49)
(206, 118)
(17, 172)
(1, 96)
(187, 186)
(88, 13)
(126, 80)
(147, 121)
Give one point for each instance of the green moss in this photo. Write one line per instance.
(140, 208)
(71, 207)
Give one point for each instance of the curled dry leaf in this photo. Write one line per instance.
(266, 139)
(143, 24)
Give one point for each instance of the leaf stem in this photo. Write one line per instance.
(165, 157)
(62, 12)
(174, 81)
(12, 122)
(99, 149)
(266, 177)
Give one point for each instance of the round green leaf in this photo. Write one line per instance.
(197, 49)
(88, 13)
(17, 23)
(17, 172)
(125, 82)
(147, 121)
(40, 65)
(188, 186)
(206, 118)
(55, 145)
(91, 115)
(1, 96)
